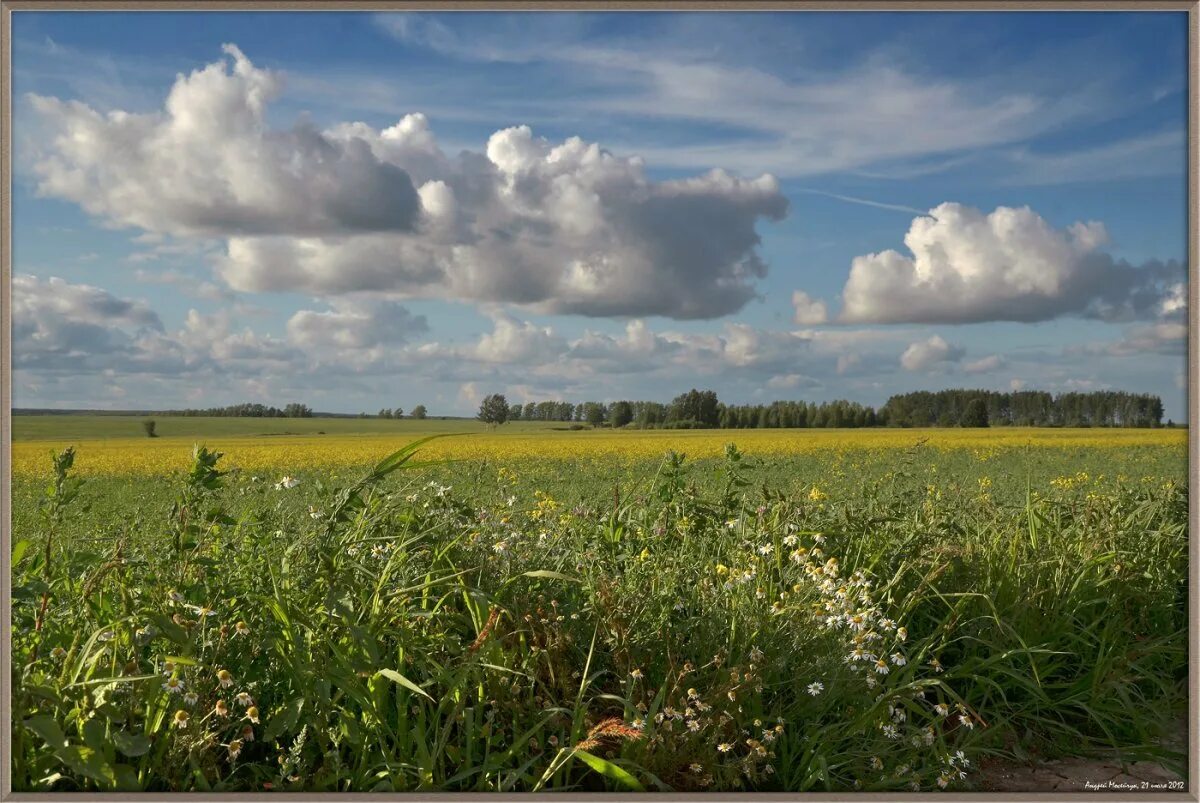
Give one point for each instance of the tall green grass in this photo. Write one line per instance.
(471, 629)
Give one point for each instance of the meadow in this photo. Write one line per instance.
(534, 608)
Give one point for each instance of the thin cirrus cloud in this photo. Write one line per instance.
(967, 266)
(560, 228)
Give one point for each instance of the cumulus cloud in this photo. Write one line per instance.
(561, 228)
(55, 321)
(809, 311)
(985, 365)
(354, 325)
(209, 163)
(926, 354)
(61, 326)
(966, 266)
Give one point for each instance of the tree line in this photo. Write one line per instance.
(701, 409)
(248, 410)
(1026, 408)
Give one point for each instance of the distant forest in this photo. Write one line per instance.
(701, 409)
(248, 410)
(945, 408)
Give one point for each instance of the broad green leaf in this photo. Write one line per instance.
(552, 575)
(396, 677)
(609, 770)
(131, 744)
(46, 727)
(89, 762)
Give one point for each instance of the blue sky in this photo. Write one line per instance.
(360, 210)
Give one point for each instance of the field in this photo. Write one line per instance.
(538, 608)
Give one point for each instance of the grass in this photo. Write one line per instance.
(577, 622)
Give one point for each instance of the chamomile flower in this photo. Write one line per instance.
(180, 720)
(235, 748)
(221, 709)
(724, 747)
(191, 698)
(942, 709)
(816, 688)
(225, 678)
(252, 714)
(636, 674)
(898, 659)
(241, 629)
(286, 482)
(244, 699)
(174, 685)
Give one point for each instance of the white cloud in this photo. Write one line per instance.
(354, 325)
(985, 365)
(210, 164)
(809, 311)
(926, 354)
(966, 266)
(561, 228)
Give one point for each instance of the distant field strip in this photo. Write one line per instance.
(145, 456)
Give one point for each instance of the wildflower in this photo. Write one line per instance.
(235, 747)
(891, 732)
(180, 720)
(221, 709)
(870, 681)
(765, 550)
(966, 721)
(500, 547)
(202, 611)
(937, 665)
(58, 653)
(173, 685)
(943, 781)
(881, 667)
(816, 688)
(636, 674)
(942, 709)
(191, 698)
(107, 635)
(876, 763)
(247, 734)
(898, 659)
(241, 629)
(252, 714)
(286, 482)
(225, 678)
(724, 747)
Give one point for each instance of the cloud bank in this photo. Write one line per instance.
(966, 266)
(559, 227)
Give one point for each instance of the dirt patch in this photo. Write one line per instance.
(1085, 774)
(1078, 775)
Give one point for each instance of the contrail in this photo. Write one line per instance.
(865, 201)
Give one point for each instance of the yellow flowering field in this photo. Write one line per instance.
(139, 456)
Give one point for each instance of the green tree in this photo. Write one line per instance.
(975, 414)
(418, 412)
(621, 413)
(149, 426)
(493, 410)
(593, 413)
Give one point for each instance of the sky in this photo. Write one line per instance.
(360, 210)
